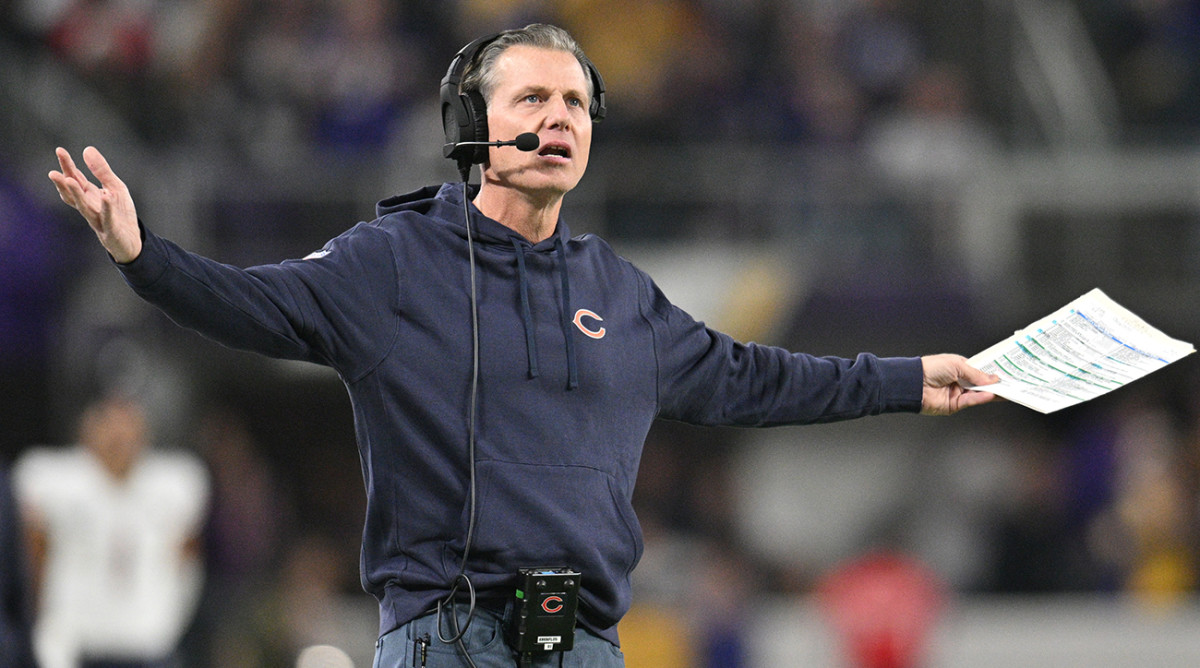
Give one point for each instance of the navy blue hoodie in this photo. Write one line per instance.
(579, 353)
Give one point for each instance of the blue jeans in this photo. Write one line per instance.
(402, 647)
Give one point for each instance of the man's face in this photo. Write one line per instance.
(116, 432)
(542, 91)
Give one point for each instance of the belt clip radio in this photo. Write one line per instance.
(544, 614)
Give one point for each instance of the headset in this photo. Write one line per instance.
(464, 114)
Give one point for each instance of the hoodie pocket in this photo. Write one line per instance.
(551, 515)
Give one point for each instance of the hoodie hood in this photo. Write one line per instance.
(444, 204)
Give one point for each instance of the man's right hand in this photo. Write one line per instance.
(108, 208)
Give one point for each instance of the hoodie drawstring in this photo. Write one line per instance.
(521, 246)
(526, 315)
(572, 367)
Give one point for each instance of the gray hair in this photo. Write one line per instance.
(481, 75)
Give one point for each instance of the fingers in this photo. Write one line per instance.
(974, 398)
(942, 370)
(95, 162)
(951, 399)
(68, 188)
(947, 382)
(70, 182)
(76, 191)
(68, 167)
(99, 166)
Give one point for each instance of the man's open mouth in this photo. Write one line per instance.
(557, 150)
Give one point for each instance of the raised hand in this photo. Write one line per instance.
(108, 208)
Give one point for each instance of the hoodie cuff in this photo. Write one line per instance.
(901, 384)
(149, 265)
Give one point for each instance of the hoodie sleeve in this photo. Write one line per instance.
(705, 377)
(335, 307)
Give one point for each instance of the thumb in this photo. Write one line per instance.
(969, 375)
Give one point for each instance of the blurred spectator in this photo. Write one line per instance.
(334, 74)
(693, 600)
(637, 46)
(1147, 530)
(317, 604)
(879, 47)
(16, 611)
(367, 73)
(246, 530)
(36, 252)
(196, 42)
(720, 607)
(932, 143)
(1037, 550)
(709, 84)
(693, 584)
(928, 147)
(108, 37)
(1152, 51)
(818, 103)
(114, 530)
(652, 635)
(656, 631)
(112, 44)
(276, 68)
(884, 606)
(308, 603)
(250, 515)
(481, 17)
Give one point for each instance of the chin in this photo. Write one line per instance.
(561, 181)
(560, 186)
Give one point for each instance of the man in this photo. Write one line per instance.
(113, 526)
(514, 444)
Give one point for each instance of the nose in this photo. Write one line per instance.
(558, 113)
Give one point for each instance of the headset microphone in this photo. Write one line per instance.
(526, 141)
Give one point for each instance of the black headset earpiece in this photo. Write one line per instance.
(597, 109)
(464, 115)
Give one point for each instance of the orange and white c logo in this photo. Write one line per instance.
(594, 333)
(552, 604)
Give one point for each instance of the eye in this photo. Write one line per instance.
(532, 98)
(575, 102)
